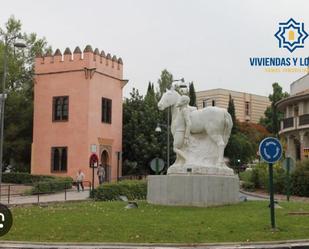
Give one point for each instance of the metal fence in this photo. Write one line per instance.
(43, 192)
(132, 177)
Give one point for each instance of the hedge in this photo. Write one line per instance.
(24, 178)
(300, 179)
(257, 178)
(249, 186)
(132, 189)
(40, 183)
(52, 185)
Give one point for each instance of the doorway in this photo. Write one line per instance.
(106, 164)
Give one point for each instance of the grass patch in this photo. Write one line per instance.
(110, 222)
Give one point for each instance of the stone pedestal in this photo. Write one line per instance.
(193, 190)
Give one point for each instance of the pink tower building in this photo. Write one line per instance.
(77, 112)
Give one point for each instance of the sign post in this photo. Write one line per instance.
(270, 150)
(288, 180)
(157, 165)
(93, 163)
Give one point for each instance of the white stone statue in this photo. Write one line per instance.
(200, 136)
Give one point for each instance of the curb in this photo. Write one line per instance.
(254, 194)
(278, 198)
(297, 244)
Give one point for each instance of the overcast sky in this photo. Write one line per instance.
(207, 42)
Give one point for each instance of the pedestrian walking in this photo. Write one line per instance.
(101, 174)
(80, 179)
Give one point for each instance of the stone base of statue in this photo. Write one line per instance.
(193, 190)
(201, 155)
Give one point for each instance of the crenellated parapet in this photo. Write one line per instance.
(88, 60)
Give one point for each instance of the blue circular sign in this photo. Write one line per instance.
(270, 149)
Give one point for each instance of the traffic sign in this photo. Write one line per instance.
(157, 164)
(93, 161)
(270, 149)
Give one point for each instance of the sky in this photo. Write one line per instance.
(207, 42)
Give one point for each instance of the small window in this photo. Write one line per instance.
(106, 110)
(204, 103)
(213, 102)
(59, 159)
(61, 108)
(247, 108)
(296, 111)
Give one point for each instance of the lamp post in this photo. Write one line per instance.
(18, 44)
(238, 161)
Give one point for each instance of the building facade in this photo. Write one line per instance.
(248, 107)
(295, 124)
(77, 112)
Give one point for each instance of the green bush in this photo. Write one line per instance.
(248, 186)
(300, 179)
(52, 185)
(132, 189)
(259, 177)
(40, 183)
(24, 178)
(245, 175)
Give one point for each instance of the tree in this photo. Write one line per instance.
(231, 111)
(254, 132)
(272, 115)
(192, 95)
(141, 143)
(165, 81)
(244, 139)
(239, 148)
(19, 88)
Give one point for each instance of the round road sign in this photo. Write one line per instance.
(270, 149)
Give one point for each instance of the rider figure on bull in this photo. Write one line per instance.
(182, 131)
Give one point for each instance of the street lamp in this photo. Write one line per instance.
(238, 161)
(158, 128)
(17, 44)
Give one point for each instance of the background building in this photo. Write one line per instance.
(295, 125)
(77, 111)
(248, 107)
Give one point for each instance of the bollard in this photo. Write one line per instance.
(9, 192)
(65, 191)
(38, 193)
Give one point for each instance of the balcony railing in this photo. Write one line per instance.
(288, 122)
(304, 119)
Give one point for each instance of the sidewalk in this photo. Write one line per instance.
(279, 197)
(71, 195)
